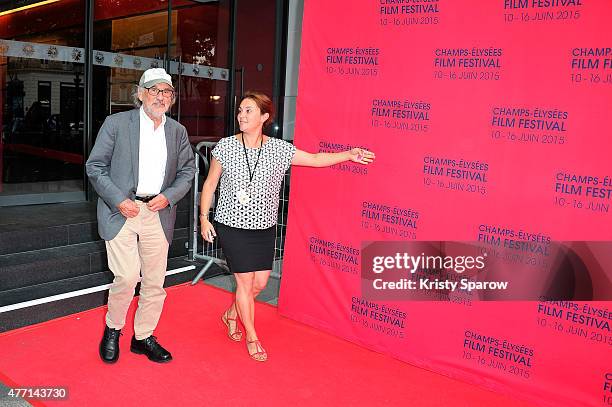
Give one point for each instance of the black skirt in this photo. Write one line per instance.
(247, 250)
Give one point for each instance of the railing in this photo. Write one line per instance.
(209, 253)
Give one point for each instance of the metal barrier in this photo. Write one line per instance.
(209, 253)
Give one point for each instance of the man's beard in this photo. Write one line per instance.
(156, 113)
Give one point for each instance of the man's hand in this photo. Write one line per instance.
(158, 203)
(128, 208)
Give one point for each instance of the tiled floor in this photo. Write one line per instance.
(228, 283)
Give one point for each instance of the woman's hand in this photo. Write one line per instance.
(361, 156)
(207, 230)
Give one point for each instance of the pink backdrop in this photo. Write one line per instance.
(490, 120)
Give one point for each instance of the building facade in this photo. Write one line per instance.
(67, 64)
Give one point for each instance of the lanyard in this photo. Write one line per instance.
(251, 174)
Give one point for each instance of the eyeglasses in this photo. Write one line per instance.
(168, 93)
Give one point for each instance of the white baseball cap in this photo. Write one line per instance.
(154, 76)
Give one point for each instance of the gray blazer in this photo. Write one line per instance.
(112, 168)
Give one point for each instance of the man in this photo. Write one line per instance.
(141, 166)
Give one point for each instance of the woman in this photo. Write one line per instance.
(251, 167)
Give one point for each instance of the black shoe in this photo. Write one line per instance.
(150, 347)
(109, 347)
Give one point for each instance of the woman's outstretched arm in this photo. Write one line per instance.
(357, 155)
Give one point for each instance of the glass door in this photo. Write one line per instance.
(142, 34)
(199, 51)
(129, 37)
(41, 102)
(42, 106)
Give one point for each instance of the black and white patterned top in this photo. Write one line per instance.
(261, 212)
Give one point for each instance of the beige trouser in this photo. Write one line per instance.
(140, 246)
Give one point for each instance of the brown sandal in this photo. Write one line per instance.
(260, 355)
(236, 335)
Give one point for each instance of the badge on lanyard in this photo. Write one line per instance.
(243, 196)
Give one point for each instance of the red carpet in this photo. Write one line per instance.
(305, 367)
